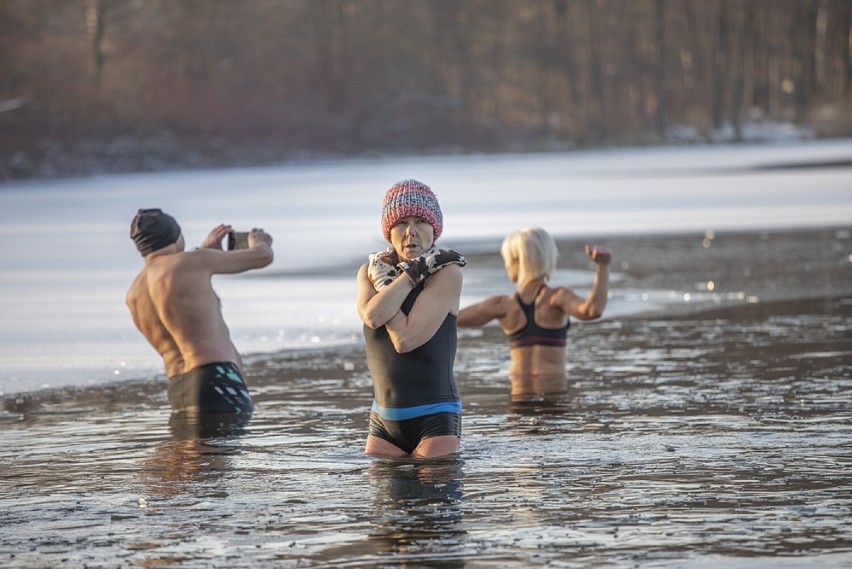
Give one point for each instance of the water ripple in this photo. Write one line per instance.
(698, 441)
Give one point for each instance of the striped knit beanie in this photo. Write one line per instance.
(411, 198)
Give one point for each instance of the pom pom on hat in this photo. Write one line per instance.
(152, 229)
(411, 198)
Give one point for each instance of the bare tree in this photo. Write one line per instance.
(231, 82)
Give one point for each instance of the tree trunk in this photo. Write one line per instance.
(95, 24)
(720, 62)
(600, 133)
(805, 64)
(662, 63)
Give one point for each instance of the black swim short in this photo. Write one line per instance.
(211, 388)
(407, 434)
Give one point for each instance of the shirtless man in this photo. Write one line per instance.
(174, 306)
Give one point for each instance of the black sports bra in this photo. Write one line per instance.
(534, 335)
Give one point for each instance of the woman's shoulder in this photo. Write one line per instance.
(450, 272)
(505, 303)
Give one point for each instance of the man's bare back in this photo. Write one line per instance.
(174, 306)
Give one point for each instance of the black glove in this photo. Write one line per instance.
(429, 263)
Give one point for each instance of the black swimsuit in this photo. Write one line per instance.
(534, 335)
(415, 393)
(210, 388)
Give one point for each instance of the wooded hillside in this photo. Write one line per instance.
(124, 85)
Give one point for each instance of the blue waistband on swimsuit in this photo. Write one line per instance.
(405, 413)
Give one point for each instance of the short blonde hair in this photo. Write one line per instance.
(535, 252)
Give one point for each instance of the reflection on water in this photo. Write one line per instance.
(196, 456)
(709, 440)
(207, 426)
(182, 466)
(420, 511)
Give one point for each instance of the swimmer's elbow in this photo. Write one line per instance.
(372, 322)
(590, 313)
(402, 346)
(370, 318)
(404, 343)
(265, 256)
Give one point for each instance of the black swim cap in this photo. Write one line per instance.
(152, 229)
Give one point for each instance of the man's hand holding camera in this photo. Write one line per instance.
(235, 239)
(215, 237)
(259, 236)
(248, 239)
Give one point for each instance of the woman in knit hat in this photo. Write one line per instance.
(536, 318)
(408, 299)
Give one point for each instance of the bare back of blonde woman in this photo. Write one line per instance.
(536, 318)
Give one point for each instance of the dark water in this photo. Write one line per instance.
(716, 439)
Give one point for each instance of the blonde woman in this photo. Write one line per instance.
(536, 318)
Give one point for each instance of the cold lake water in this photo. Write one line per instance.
(708, 441)
(707, 424)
